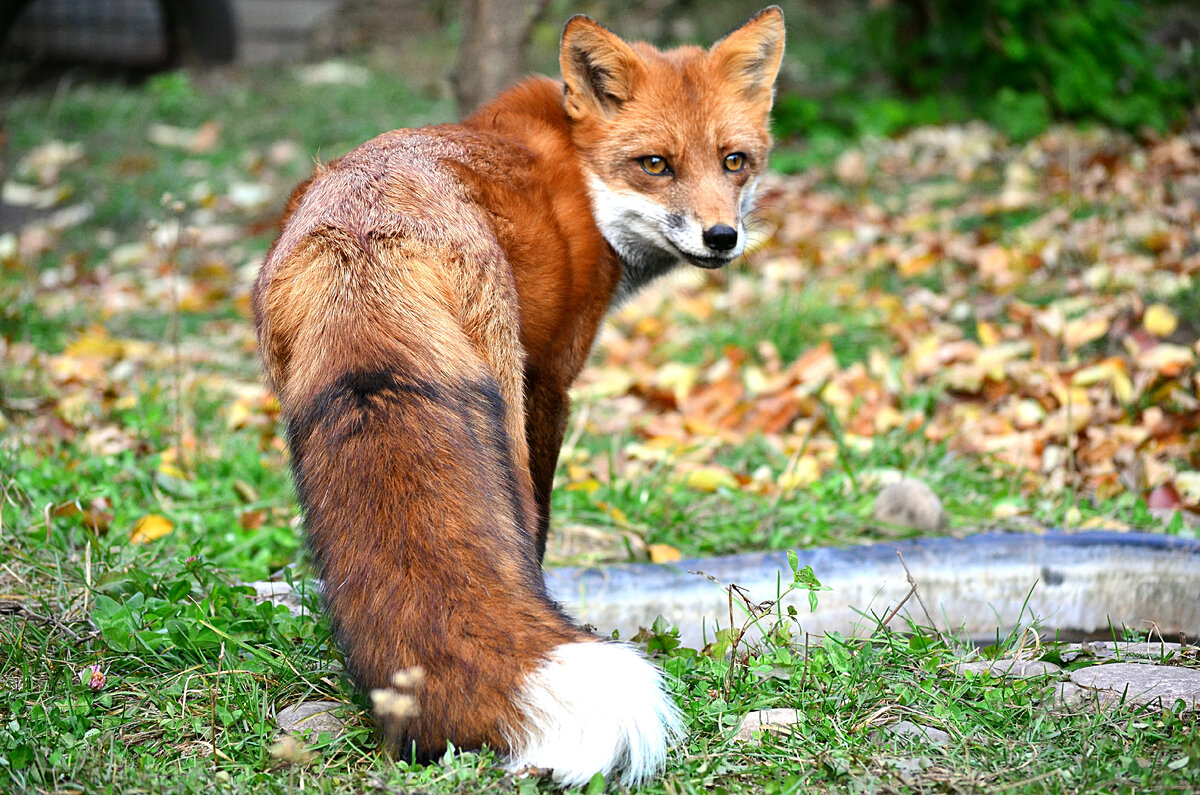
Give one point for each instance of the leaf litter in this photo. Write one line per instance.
(1036, 306)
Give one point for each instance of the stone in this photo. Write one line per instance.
(1107, 650)
(1156, 686)
(910, 503)
(774, 721)
(1008, 668)
(312, 718)
(281, 594)
(1154, 650)
(1068, 696)
(916, 731)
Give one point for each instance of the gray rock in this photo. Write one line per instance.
(1157, 686)
(1069, 697)
(1008, 669)
(1154, 650)
(907, 728)
(311, 717)
(906, 767)
(910, 503)
(281, 594)
(775, 721)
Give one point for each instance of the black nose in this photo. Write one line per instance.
(721, 237)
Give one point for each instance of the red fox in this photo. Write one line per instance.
(429, 300)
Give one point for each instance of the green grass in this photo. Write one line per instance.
(793, 323)
(195, 669)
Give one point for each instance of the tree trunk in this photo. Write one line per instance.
(491, 54)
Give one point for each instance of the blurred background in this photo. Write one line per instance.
(853, 67)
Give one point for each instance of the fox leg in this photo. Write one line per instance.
(547, 408)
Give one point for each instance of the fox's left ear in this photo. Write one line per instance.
(750, 56)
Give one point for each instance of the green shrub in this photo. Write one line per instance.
(1022, 61)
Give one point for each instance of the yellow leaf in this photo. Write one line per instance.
(989, 335)
(150, 528)
(1006, 510)
(1111, 370)
(172, 470)
(663, 553)
(917, 264)
(1159, 320)
(238, 415)
(806, 472)
(677, 377)
(95, 343)
(709, 479)
(886, 418)
(1188, 486)
(1084, 330)
(588, 487)
(616, 514)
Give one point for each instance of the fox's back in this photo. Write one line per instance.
(401, 185)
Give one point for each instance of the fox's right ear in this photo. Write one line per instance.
(598, 68)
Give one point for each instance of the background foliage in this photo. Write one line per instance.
(1019, 64)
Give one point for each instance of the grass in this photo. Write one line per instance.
(127, 396)
(195, 668)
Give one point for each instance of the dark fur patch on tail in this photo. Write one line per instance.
(382, 400)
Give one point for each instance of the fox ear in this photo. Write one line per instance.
(750, 56)
(598, 68)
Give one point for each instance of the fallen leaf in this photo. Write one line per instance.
(1164, 497)
(1187, 484)
(663, 553)
(150, 528)
(709, 479)
(252, 520)
(1159, 320)
(805, 472)
(1079, 332)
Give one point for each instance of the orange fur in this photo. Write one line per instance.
(429, 300)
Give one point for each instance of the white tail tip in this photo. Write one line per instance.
(595, 707)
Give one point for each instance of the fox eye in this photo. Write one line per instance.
(655, 165)
(735, 162)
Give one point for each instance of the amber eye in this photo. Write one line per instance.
(735, 162)
(653, 164)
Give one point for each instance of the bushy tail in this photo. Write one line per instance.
(417, 511)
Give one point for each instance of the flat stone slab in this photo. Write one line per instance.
(1104, 650)
(773, 721)
(1157, 686)
(906, 728)
(1154, 650)
(311, 717)
(1008, 669)
(1086, 583)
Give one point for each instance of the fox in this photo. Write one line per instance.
(428, 301)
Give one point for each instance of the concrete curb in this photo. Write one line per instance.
(1079, 584)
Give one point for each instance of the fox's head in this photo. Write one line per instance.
(672, 143)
